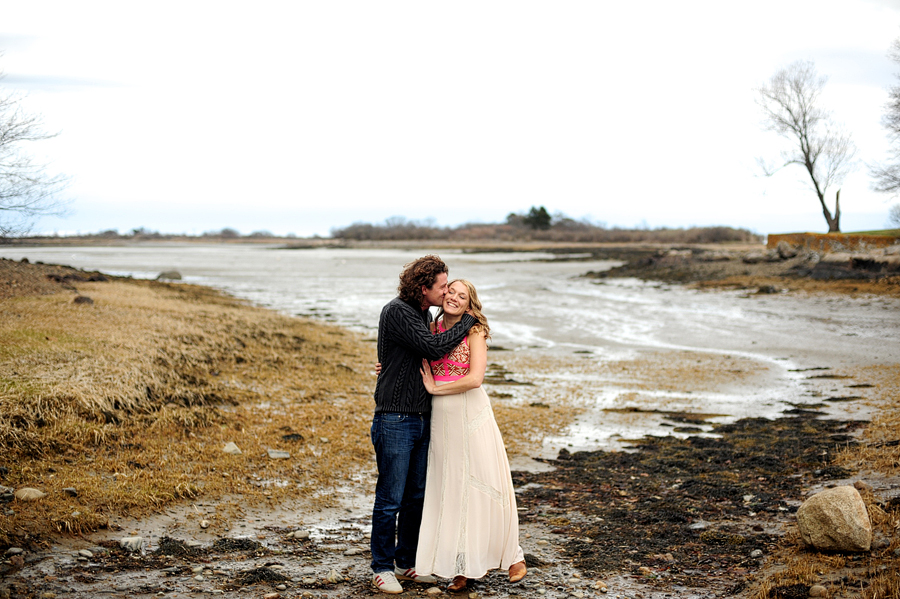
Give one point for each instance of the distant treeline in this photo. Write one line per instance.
(538, 225)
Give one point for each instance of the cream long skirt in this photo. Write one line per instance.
(469, 522)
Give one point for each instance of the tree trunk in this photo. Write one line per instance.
(834, 224)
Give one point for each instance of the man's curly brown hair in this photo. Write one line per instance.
(423, 271)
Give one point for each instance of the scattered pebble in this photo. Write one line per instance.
(196, 569)
(71, 491)
(131, 543)
(232, 448)
(85, 553)
(334, 577)
(14, 551)
(818, 590)
(354, 551)
(278, 455)
(204, 524)
(756, 553)
(434, 591)
(29, 494)
(271, 595)
(199, 578)
(282, 587)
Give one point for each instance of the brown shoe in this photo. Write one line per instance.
(517, 572)
(458, 584)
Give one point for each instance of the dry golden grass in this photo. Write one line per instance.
(130, 401)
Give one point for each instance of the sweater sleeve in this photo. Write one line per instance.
(409, 330)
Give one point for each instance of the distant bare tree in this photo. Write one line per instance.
(887, 175)
(790, 104)
(894, 216)
(26, 190)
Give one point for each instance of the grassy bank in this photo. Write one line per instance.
(130, 399)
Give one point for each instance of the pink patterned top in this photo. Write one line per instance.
(452, 366)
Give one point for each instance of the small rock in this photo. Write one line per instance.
(274, 454)
(645, 571)
(71, 491)
(862, 487)
(29, 494)
(699, 525)
(232, 448)
(434, 591)
(308, 581)
(14, 551)
(354, 551)
(204, 524)
(199, 578)
(756, 553)
(282, 587)
(131, 543)
(82, 299)
(300, 534)
(578, 594)
(334, 577)
(818, 590)
(271, 595)
(171, 275)
(543, 542)
(599, 585)
(473, 595)
(193, 543)
(196, 569)
(835, 519)
(85, 553)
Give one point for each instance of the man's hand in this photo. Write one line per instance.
(377, 368)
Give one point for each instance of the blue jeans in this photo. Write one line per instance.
(401, 452)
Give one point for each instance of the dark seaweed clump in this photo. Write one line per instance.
(682, 510)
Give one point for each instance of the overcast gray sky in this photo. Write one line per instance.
(296, 117)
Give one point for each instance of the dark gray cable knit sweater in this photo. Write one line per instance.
(403, 340)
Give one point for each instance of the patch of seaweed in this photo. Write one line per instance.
(262, 574)
(228, 545)
(661, 497)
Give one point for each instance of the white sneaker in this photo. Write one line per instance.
(387, 582)
(410, 574)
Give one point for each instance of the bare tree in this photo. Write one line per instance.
(894, 216)
(26, 190)
(887, 175)
(790, 104)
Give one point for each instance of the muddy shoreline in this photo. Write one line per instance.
(703, 516)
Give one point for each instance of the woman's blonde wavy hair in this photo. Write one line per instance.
(474, 306)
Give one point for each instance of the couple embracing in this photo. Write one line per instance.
(444, 500)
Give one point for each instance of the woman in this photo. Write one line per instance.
(469, 522)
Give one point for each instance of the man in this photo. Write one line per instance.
(401, 426)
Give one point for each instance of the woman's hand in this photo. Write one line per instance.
(427, 377)
(377, 368)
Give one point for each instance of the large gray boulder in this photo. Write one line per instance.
(836, 520)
